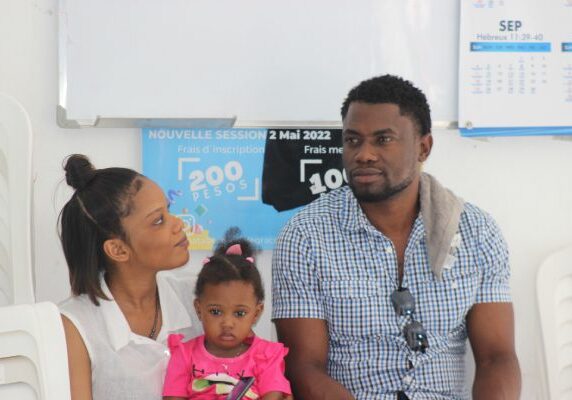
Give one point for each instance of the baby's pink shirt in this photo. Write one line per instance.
(196, 374)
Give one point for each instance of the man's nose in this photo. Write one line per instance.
(366, 153)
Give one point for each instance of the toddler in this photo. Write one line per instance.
(229, 300)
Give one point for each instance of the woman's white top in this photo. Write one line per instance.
(125, 365)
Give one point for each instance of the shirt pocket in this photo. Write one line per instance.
(443, 304)
(354, 308)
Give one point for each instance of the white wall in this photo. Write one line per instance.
(525, 183)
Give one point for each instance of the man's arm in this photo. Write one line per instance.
(307, 341)
(491, 333)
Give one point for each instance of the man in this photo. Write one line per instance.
(378, 285)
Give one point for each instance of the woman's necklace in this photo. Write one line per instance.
(156, 318)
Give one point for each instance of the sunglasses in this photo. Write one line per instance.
(415, 334)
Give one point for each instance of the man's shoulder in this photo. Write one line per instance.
(478, 222)
(323, 209)
(474, 215)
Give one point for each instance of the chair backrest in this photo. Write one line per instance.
(16, 277)
(554, 295)
(33, 353)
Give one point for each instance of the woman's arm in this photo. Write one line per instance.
(79, 364)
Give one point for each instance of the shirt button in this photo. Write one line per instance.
(389, 250)
(407, 379)
(454, 285)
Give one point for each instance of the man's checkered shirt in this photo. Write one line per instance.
(330, 263)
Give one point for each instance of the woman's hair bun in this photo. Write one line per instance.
(79, 171)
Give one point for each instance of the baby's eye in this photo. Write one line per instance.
(240, 314)
(158, 221)
(215, 311)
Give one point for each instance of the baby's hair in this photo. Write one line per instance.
(222, 267)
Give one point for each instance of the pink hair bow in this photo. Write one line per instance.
(236, 250)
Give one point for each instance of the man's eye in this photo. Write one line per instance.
(215, 311)
(384, 139)
(350, 140)
(240, 314)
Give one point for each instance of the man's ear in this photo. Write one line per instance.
(197, 305)
(117, 250)
(425, 146)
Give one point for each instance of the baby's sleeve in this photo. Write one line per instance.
(177, 377)
(270, 377)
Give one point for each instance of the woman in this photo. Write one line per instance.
(117, 234)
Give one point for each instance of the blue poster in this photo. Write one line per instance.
(213, 180)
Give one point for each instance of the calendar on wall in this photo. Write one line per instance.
(515, 67)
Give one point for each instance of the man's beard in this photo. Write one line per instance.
(383, 193)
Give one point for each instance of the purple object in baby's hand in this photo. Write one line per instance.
(240, 388)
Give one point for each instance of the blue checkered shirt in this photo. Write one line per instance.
(330, 263)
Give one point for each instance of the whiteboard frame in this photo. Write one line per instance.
(101, 121)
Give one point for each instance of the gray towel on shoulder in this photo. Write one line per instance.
(441, 212)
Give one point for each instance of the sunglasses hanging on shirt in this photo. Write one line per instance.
(404, 305)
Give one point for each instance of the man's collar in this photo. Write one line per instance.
(352, 216)
(441, 212)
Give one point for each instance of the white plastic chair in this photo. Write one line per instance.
(33, 353)
(16, 278)
(554, 291)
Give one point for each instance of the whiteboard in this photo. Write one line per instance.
(261, 62)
